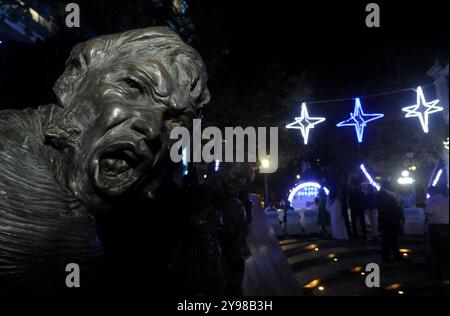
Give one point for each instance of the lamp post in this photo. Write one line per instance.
(265, 164)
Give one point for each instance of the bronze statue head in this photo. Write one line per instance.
(120, 95)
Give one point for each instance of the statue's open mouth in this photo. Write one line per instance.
(119, 167)
(118, 164)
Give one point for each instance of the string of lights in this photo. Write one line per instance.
(380, 94)
(359, 119)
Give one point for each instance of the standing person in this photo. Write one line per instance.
(390, 216)
(323, 217)
(334, 207)
(437, 210)
(344, 202)
(372, 210)
(356, 201)
(286, 208)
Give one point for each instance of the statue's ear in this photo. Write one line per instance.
(64, 86)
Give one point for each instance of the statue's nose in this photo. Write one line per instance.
(152, 132)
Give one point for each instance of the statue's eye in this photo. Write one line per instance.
(134, 85)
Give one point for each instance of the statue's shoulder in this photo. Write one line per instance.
(25, 124)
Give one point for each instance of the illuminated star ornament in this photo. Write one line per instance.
(304, 123)
(422, 109)
(359, 120)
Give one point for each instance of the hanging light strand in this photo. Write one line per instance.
(369, 95)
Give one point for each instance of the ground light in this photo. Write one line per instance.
(314, 283)
(394, 286)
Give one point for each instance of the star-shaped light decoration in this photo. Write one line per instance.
(304, 123)
(359, 120)
(422, 109)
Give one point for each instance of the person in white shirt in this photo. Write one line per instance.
(437, 211)
(334, 207)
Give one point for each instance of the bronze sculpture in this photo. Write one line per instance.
(102, 147)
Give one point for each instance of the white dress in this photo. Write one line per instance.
(337, 221)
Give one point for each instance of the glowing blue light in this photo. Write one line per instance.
(369, 177)
(359, 120)
(304, 185)
(1, 42)
(437, 177)
(430, 107)
(304, 123)
(216, 165)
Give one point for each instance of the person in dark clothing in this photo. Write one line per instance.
(437, 214)
(390, 216)
(356, 202)
(323, 217)
(344, 201)
(372, 210)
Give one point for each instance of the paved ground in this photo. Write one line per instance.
(330, 267)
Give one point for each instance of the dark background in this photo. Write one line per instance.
(266, 57)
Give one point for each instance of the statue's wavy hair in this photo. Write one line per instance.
(178, 72)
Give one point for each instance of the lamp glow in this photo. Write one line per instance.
(369, 177)
(265, 163)
(304, 123)
(359, 120)
(216, 165)
(405, 173)
(405, 180)
(422, 109)
(184, 160)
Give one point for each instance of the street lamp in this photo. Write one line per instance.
(405, 179)
(265, 164)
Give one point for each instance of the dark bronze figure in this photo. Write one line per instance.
(102, 147)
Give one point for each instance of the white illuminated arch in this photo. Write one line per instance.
(305, 185)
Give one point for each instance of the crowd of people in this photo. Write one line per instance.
(342, 215)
